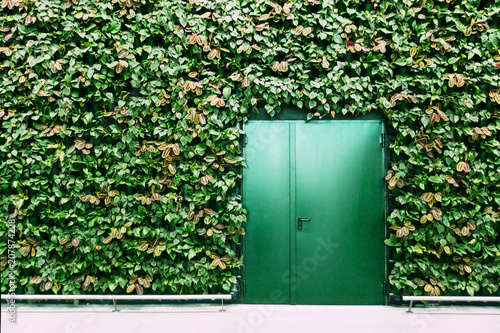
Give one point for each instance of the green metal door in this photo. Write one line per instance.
(330, 176)
(267, 198)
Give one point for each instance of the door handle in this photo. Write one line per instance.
(300, 220)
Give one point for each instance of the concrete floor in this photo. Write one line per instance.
(251, 319)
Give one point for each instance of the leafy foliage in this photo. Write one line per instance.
(120, 136)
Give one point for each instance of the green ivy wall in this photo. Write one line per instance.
(120, 133)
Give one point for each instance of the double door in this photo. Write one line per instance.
(314, 193)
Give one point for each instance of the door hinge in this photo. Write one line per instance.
(245, 140)
(382, 140)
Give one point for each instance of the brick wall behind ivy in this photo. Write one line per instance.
(120, 137)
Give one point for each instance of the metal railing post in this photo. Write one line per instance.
(222, 305)
(409, 309)
(114, 303)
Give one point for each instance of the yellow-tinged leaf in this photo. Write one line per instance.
(413, 51)
(392, 182)
(451, 81)
(436, 213)
(324, 63)
(85, 198)
(176, 149)
(171, 168)
(245, 82)
(102, 194)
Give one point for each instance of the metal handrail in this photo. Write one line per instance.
(114, 298)
(119, 297)
(449, 299)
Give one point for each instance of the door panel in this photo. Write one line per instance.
(332, 173)
(340, 253)
(266, 193)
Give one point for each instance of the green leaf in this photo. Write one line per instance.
(493, 39)
(88, 117)
(400, 62)
(115, 128)
(436, 179)
(226, 92)
(191, 254)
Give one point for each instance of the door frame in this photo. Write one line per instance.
(292, 118)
